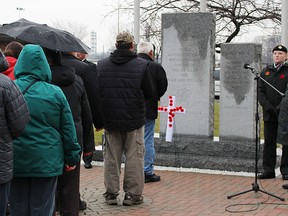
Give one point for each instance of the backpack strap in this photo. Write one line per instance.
(32, 83)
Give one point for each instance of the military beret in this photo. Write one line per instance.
(280, 48)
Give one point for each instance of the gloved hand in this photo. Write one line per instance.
(69, 168)
(87, 156)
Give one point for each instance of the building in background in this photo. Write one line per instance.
(93, 43)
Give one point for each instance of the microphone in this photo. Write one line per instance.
(247, 66)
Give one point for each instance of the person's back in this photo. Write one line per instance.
(49, 140)
(14, 115)
(89, 78)
(145, 50)
(124, 83)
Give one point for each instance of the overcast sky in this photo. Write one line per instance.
(90, 13)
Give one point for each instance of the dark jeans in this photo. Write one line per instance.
(33, 196)
(4, 197)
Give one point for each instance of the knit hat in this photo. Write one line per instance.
(125, 38)
(280, 48)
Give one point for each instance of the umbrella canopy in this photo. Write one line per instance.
(44, 35)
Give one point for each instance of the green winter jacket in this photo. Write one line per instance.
(49, 139)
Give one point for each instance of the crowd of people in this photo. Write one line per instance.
(52, 101)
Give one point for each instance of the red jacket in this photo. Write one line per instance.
(10, 71)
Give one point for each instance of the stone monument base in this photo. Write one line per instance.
(201, 153)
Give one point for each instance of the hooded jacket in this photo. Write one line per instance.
(49, 139)
(74, 90)
(124, 82)
(14, 115)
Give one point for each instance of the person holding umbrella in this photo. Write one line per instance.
(48, 143)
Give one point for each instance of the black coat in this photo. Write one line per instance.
(74, 90)
(159, 77)
(88, 76)
(269, 98)
(124, 84)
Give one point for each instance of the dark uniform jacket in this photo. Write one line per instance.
(14, 115)
(74, 90)
(269, 98)
(124, 82)
(159, 78)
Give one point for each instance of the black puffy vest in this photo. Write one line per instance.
(122, 99)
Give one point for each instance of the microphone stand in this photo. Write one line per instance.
(255, 185)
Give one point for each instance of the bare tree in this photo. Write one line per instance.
(233, 17)
(77, 29)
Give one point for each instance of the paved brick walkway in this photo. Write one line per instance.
(189, 193)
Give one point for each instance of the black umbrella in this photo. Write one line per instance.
(43, 35)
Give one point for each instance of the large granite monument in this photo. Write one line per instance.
(188, 41)
(238, 91)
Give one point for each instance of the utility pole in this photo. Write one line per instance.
(284, 23)
(19, 11)
(136, 20)
(203, 5)
(118, 27)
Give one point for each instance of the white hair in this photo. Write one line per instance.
(144, 47)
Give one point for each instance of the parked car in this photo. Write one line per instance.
(217, 83)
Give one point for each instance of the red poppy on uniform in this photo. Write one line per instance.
(282, 76)
(267, 73)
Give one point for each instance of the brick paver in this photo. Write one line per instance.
(188, 193)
